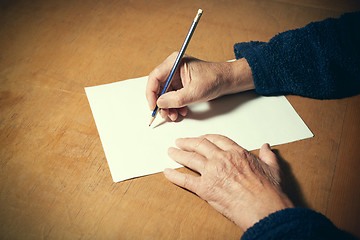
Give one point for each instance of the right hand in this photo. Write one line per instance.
(195, 81)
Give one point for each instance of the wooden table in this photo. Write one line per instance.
(54, 179)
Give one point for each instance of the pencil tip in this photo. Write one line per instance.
(151, 121)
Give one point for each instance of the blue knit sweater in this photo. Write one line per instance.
(295, 223)
(321, 60)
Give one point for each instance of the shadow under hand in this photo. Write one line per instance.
(289, 184)
(221, 105)
(216, 107)
(167, 120)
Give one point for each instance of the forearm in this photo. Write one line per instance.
(295, 223)
(320, 60)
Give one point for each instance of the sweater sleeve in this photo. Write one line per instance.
(320, 60)
(295, 223)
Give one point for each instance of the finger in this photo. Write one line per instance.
(176, 99)
(161, 72)
(199, 145)
(191, 160)
(267, 156)
(164, 113)
(181, 179)
(223, 142)
(156, 78)
(152, 90)
(183, 111)
(173, 114)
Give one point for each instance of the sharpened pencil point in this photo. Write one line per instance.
(151, 121)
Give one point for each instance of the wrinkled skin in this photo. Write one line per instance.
(195, 81)
(239, 185)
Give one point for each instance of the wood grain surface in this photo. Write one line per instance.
(54, 179)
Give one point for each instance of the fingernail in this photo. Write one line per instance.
(183, 112)
(172, 117)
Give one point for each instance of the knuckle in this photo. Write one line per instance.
(200, 141)
(243, 153)
(187, 183)
(223, 156)
(221, 164)
(207, 135)
(231, 162)
(213, 137)
(178, 101)
(156, 72)
(152, 79)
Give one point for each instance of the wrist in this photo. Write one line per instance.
(240, 79)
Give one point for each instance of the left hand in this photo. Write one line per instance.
(239, 185)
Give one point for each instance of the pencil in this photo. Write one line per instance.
(177, 61)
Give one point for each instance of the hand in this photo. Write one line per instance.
(242, 187)
(195, 81)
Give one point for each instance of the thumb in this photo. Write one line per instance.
(267, 156)
(174, 99)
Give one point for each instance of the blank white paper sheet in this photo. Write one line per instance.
(134, 149)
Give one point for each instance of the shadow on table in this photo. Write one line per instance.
(289, 184)
(216, 107)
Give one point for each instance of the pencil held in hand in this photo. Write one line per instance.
(177, 61)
